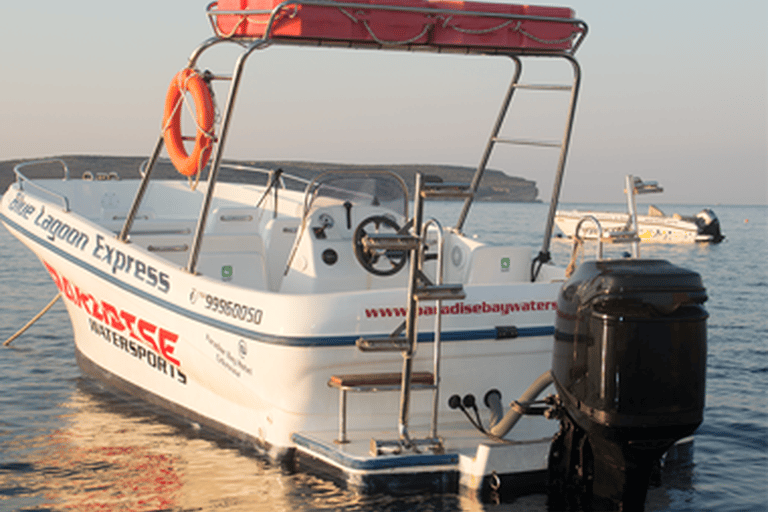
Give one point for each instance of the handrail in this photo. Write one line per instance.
(275, 180)
(578, 240)
(436, 349)
(578, 243)
(283, 174)
(240, 167)
(20, 179)
(46, 161)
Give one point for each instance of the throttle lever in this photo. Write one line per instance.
(348, 207)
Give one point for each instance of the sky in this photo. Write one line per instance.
(672, 91)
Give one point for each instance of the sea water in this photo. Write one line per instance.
(69, 443)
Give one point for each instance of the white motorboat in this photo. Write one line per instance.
(655, 227)
(290, 319)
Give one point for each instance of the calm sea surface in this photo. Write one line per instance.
(67, 443)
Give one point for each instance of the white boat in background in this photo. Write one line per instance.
(290, 318)
(655, 227)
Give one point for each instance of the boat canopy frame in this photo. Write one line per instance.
(251, 44)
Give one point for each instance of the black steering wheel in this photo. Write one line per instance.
(371, 259)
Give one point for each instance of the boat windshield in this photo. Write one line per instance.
(383, 189)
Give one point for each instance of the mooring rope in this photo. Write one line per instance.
(35, 319)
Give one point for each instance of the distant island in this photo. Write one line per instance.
(496, 186)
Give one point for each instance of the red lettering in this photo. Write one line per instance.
(68, 291)
(111, 316)
(96, 312)
(167, 339)
(145, 327)
(129, 321)
(54, 276)
(82, 299)
(461, 308)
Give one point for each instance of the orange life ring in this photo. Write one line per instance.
(190, 80)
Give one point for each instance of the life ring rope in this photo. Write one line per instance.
(203, 113)
(208, 132)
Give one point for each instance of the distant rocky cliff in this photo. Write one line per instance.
(496, 186)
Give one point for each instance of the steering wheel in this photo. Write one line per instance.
(371, 259)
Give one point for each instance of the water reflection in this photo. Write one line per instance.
(111, 453)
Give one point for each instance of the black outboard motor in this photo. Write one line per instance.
(708, 224)
(629, 367)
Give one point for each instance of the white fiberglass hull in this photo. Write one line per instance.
(256, 363)
(654, 229)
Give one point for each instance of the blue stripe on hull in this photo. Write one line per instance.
(291, 341)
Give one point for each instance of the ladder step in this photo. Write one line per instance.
(440, 292)
(380, 381)
(446, 189)
(544, 87)
(389, 344)
(529, 142)
(394, 447)
(391, 242)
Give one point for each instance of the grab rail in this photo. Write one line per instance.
(46, 161)
(436, 348)
(20, 179)
(578, 240)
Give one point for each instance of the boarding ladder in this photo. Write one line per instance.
(404, 338)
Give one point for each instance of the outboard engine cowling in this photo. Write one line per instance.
(629, 368)
(708, 224)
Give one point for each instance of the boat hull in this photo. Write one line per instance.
(650, 228)
(258, 370)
